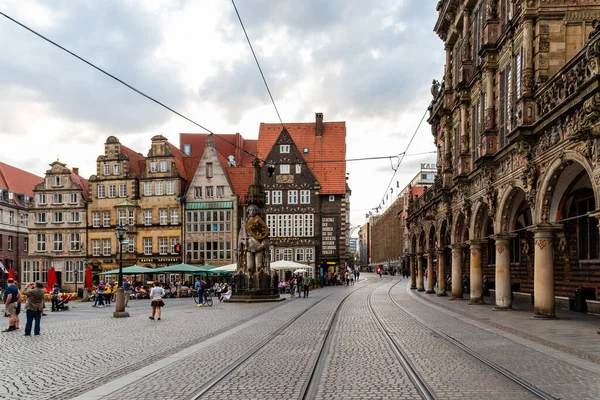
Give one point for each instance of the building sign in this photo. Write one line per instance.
(329, 237)
(160, 260)
(428, 166)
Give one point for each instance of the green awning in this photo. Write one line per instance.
(133, 270)
(209, 205)
(185, 268)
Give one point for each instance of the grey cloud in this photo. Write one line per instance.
(120, 38)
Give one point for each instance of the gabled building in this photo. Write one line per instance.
(16, 190)
(58, 228)
(292, 204)
(211, 211)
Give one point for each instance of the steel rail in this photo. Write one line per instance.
(424, 391)
(508, 374)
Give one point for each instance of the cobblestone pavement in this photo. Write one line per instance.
(553, 375)
(85, 352)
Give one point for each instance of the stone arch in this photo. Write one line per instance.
(444, 236)
(513, 204)
(479, 221)
(431, 237)
(557, 181)
(421, 241)
(459, 230)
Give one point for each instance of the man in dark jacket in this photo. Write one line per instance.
(35, 306)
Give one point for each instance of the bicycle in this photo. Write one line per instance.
(207, 299)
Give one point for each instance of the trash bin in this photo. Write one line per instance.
(580, 304)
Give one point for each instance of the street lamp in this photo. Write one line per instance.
(120, 303)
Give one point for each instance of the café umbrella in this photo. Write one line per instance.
(51, 279)
(88, 278)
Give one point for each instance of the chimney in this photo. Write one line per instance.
(76, 170)
(319, 125)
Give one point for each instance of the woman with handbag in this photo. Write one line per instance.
(156, 297)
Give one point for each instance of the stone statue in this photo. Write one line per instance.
(253, 243)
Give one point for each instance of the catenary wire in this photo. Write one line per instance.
(257, 63)
(401, 159)
(124, 83)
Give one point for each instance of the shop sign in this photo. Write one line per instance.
(329, 237)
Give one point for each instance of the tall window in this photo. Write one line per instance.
(170, 188)
(276, 196)
(131, 243)
(305, 197)
(292, 197)
(57, 198)
(209, 191)
(272, 224)
(158, 188)
(174, 216)
(298, 168)
(75, 241)
(58, 242)
(73, 198)
(505, 106)
(174, 241)
(284, 169)
(42, 199)
(96, 247)
(40, 218)
(122, 190)
(69, 271)
(153, 166)
(163, 166)
(287, 254)
(106, 247)
(300, 255)
(220, 191)
(298, 225)
(162, 245)
(106, 169)
(122, 217)
(267, 197)
(75, 217)
(116, 169)
(131, 217)
(101, 191)
(148, 246)
(96, 219)
(112, 191)
(518, 74)
(147, 217)
(209, 170)
(308, 225)
(147, 188)
(58, 218)
(162, 216)
(106, 219)
(309, 255)
(41, 242)
(198, 192)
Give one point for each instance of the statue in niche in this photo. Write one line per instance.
(253, 242)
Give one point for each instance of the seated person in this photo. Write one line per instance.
(226, 295)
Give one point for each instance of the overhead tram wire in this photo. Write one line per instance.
(124, 83)
(403, 154)
(257, 63)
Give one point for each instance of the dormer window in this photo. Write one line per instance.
(57, 181)
(163, 166)
(106, 169)
(153, 166)
(284, 148)
(117, 169)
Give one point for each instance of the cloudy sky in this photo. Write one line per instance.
(369, 63)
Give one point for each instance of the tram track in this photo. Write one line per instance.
(310, 386)
(529, 387)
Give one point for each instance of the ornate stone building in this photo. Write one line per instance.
(16, 191)
(58, 228)
(211, 211)
(516, 120)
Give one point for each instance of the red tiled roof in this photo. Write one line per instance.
(18, 181)
(241, 179)
(226, 144)
(330, 146)
(137, 162)
(84, 184)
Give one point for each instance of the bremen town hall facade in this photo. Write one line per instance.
(516, 120)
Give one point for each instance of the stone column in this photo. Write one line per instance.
(448, 66)
(457, 292)
(543, 273)
(441, 273)
(490, 118)
(527, 57)
(413, 272)
(430, 289)
(420, 283)
(476, 272)
(503, 290)
(464, 133)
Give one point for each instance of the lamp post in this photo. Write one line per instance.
(120, 303)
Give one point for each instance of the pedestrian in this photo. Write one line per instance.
(54, 296)
(126, 290)
(226, 295)
(107, 294)
(199, 286)
(486, 286)
(99, 302)
(10, 298)
(156, 300)
(305, 283)
(35, 305)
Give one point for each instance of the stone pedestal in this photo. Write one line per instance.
(441, 273)
(420, 280)
(259, 287)
(430, 273)
(120, 305)
(457, 292)
(503, 290)
(476, 276)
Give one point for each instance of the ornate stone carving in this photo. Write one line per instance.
(435, 88)
(529, 178)
(591, 113)
(493, 9)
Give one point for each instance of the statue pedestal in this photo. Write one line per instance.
(255, 288)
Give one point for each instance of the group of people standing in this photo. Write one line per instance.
(297, 284)
(12, 299)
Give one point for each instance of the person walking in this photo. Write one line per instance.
(199, 289)
(10, 298)
(156, 300)
(35, 305)
(100, 295)
(305, 284)
(108, 294)
(126, 290)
